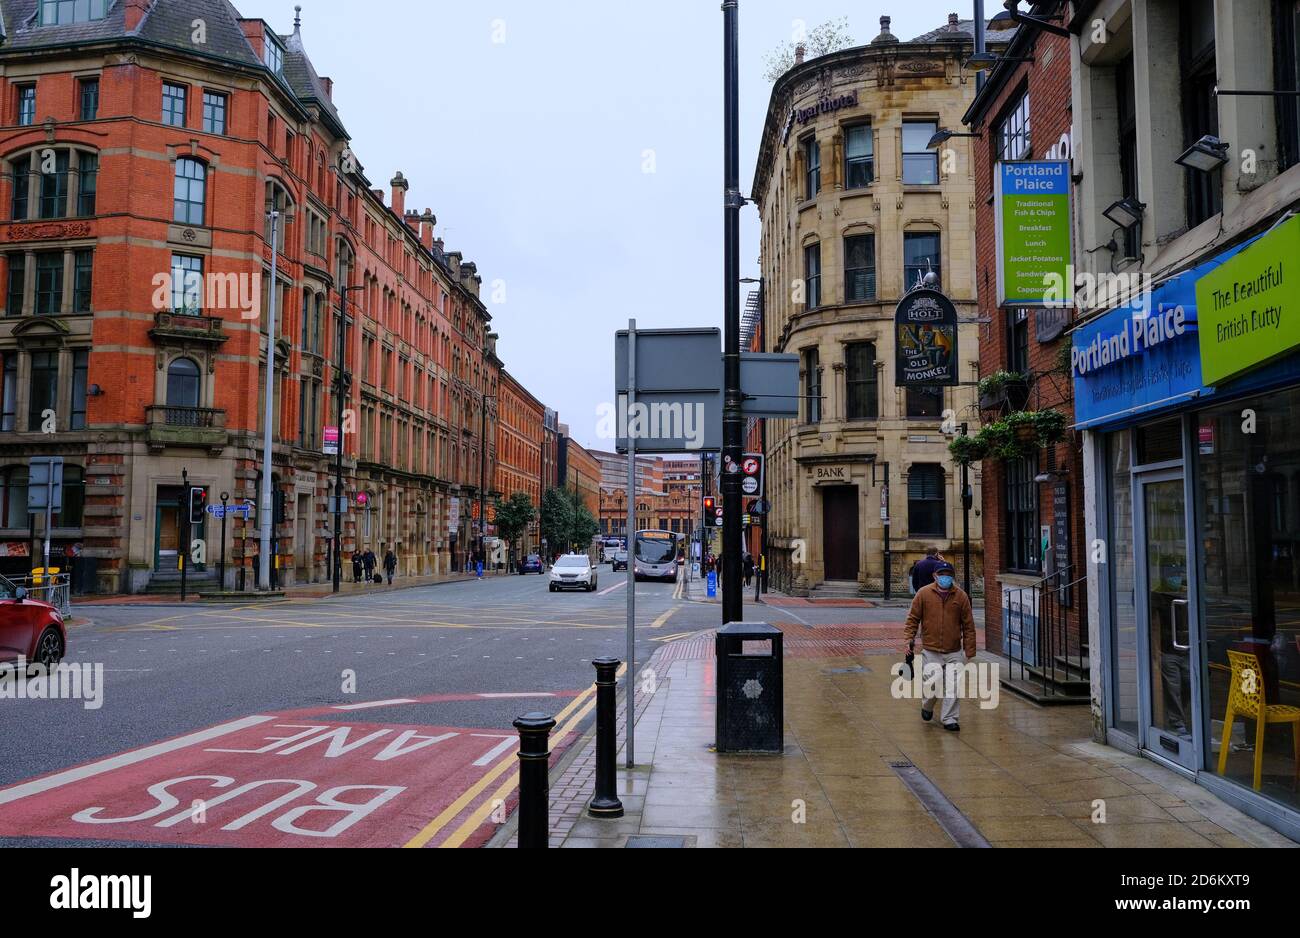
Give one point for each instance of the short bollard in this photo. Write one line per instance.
(534, 770)
(606, 804)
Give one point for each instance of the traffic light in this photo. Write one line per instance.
(198, 504)
(278, 501)
(709, 504)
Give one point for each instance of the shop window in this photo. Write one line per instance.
(1123, 595)
(1248, 507)
(926, 508)
(1021, 501)
(1159, 442)
(13, 497)
(860, 378)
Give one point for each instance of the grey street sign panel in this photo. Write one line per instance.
(771, 385)
(678, 406)
(39, 472)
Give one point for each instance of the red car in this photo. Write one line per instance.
(29, 629)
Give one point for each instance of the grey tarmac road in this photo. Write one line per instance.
(171, 670)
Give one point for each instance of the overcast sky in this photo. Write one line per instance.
(529, 128)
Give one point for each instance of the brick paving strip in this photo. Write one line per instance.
(308, 591)
(1021, 775)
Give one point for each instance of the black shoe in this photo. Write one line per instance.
(952, 727)
(927, 715)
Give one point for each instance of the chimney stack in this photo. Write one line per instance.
(400, 185)
(954, 22)
(134, 12)
(799, 52)
(428, 220)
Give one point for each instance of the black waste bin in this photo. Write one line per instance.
(750, 707)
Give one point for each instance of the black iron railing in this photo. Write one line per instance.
(1037, 636)
(201, 418)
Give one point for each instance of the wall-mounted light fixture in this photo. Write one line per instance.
(1205, 155)
(1012, 17)
(1126, 213)
(95, 391)
(943, 136)
(986, 61)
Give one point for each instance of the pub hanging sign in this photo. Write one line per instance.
(926, 351)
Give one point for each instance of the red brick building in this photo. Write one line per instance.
(520, 427)
(143, 147)
(1022, 112)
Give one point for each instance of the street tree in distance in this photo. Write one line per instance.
(514, 515)
(557, 519)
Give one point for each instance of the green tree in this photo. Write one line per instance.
(514, 515)
(584, 526)
(557, 519)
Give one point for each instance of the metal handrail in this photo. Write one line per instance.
(54, 589)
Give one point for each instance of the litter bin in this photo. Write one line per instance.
(750, 705)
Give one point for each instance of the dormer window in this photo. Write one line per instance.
(61, 12)
(273, 56)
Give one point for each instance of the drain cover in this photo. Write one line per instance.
(657, 843)
(856, 669)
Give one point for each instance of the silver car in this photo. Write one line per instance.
(573, 571)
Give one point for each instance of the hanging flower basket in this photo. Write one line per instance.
(1000, 389)
(967, 449)
(1022, 433)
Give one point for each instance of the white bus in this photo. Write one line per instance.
(655, 557)
(608, 547)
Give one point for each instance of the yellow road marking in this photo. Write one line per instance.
(663, 619)
(672, 638)
(482, 812)
(433, 827)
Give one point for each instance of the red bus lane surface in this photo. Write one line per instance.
(285, 780)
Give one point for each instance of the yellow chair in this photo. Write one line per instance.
(1250, 704)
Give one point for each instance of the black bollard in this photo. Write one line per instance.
(606, 804)
(534, 784)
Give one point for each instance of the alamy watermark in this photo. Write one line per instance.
(656, 421)
(973, 680)
(22, 681)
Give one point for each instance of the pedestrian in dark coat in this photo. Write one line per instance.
(356, 566)
(368, 562)
(749, 569)
(390, 566)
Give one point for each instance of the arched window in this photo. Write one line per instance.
(13, 497)
(190, 192)
(183, 383)
(345, 260)
(277, 200)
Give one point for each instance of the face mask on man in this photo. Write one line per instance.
(945, 582)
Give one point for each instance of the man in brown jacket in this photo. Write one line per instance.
(942, 612)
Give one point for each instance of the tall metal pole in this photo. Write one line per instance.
(630, 685)
(340, 390)
(482, 468)
(184, 551)
(967, 498)
(733, 422)
(265, 509)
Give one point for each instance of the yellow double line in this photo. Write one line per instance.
(567, 720)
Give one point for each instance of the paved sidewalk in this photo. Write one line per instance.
(1022, 775)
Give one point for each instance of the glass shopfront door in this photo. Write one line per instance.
(1166, 641)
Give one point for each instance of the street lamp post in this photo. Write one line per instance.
(733, 420)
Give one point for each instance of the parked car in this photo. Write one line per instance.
(532, 564)
(29, 629)
(620, 560)
(573, 571)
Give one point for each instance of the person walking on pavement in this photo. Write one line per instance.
(390, 565)
(942, 613)
(925, 568)
(368, 564)
(749, 569)
(356, 566)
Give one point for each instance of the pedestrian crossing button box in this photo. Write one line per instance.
(750, 705)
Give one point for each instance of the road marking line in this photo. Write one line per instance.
(508, 696)
(376, 703)
(58, 780)
(483, 811)
(456, 807)
(662, 620)
(612, 588)
(672, 638)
